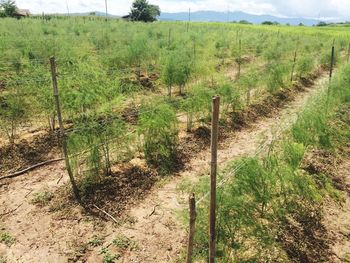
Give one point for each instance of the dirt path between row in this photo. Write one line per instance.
(152, 227)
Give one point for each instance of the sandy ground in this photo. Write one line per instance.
(337, 220)
(153, 226)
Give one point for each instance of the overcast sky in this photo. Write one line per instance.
(339, 9)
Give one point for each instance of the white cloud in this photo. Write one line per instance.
(303, 8)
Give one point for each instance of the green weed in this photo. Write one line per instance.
(7, 239)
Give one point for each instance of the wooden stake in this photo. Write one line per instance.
(348, 53)
(62, 131)
(239, 59)
(169, 37)
(332, 64)
(330, 78)
(194, 51)
(248, 95)
(189, 121)
(214, 153)
(193, 215)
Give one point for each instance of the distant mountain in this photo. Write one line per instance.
(214, 16)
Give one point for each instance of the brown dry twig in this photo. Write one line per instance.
(11, 211)
(110, 216)
(18, 173)
(154, 210)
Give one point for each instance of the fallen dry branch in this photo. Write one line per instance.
(154, 210)
(18, 173)
(110, 216)
(11, 211)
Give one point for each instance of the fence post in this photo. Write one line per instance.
(193, 215)
(249, 95)
(169, 37)
(332, 64)
(214, 153)
(239, 59)
(293, 67)
(62, 131)
(194, 51)
(348, 53)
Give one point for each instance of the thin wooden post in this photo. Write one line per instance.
(330, 78)
(293, 67)
(332, 64)
(239, 59)
(193, 215)
(248, 95)
(348, 53)
(62, 131)
(194, 51)
(189, 121)
(214, 154)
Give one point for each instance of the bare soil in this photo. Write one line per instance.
(337, 219)
(28, 151)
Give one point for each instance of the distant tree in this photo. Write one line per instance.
(7, 8)
(301, 24)
(244, 22)
(269, 23)
(142, 11)
(322, 24)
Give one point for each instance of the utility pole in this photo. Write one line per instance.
(189, 19)
(106, 9)
(67, 8)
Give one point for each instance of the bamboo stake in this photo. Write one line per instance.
(239, 59)
(332, 64)
(214, 149)
(193, 215)
(62, 132)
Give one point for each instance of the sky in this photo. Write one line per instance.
(335, 9)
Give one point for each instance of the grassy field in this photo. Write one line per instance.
(139, 95)
(109, 70)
